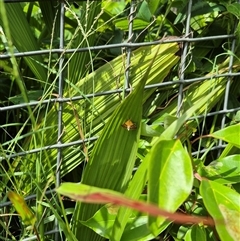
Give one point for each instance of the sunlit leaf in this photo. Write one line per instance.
(144, 12)
(136, 228)
(218, 200)
(153, 5)
(23, 210)
(102, 221)
(137, 24)
(229, 134)
(225, 170)
(170, 177)
(231, 219)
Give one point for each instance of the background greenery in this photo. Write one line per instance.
(153, 161)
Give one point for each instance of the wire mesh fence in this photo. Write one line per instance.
(56, 102)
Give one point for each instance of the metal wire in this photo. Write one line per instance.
(129, 49)
(183, 59)
(227, 90)
(187, 39)
(60, 108)
(76, 98)
(111, 46)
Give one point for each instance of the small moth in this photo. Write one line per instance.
(129, 125)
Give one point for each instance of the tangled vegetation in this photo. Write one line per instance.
(166, 162)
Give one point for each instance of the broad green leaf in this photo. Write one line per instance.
(229, 134)
(153, 5)
(113, 8)
(168, 120)
(114, 154)
(225, 170)
(137, 24)
(196, 233)
(102, 223)
(23, 210)
(228, 150)
(137, 230)
(199, 8)
(237, 117)
(219, 201)
(231, 219)
(151, 130)
(170, 178)
(144, 12)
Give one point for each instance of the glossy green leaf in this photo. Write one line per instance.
(137, 24)
(102, 223)
(168, 120)
(113, 8)
(170, 177)
(237, 117)
(225, 170)
(231, 219)
(23, 210)
(218, 200)
(229, 134)
(196, 233)
(199, 8)
(144, 12)
(151, 130)
(137, 230)
(153, 5)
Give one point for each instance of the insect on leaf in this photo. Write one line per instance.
(129, 125)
